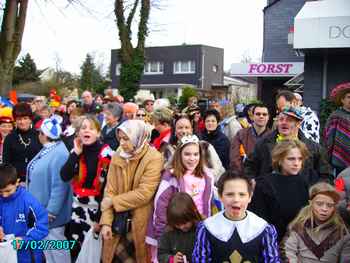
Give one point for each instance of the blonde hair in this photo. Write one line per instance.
(306, 213)
(282, 148)
(93, 121)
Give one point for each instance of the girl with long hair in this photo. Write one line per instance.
(187, 174)
(318, 233)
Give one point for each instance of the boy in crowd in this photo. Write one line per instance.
(21, 215)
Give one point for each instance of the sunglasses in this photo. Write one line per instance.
(260, 114)
(140, 115)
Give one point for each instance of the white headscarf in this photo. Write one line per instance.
(139, 134)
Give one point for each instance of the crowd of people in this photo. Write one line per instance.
(160, 184)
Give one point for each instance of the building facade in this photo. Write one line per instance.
(168, 69)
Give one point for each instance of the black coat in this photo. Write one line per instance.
(110, 138)
(16, 154)
(278, 199)
(316, 167)
(221, 144)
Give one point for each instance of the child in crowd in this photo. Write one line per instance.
(21, 215)
(187, 174)
(176, 244)
(235, 234)
(318, 234)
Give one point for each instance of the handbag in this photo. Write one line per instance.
(122, 220)
(121, 223)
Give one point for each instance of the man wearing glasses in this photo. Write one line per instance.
(244, 142)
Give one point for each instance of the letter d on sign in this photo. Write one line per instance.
(334, 32)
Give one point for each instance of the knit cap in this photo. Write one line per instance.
(51, 127)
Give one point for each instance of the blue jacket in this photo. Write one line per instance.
(22, 215)
(45, 183)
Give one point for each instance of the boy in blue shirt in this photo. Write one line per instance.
(21, 215)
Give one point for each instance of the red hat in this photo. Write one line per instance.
(6, 119)
(339, 91)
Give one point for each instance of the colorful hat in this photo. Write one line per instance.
(6, 119)
(339, 91)
(293, 112)
(51, 127)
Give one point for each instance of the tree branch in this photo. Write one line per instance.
(143, 29)
(20, 23)
(131, 16)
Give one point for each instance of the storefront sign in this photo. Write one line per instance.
(323, 24)
(267, 69)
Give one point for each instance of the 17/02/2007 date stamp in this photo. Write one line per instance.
(44, 244)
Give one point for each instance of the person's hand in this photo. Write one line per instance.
(106, 203)
(179, 257)
(106, 232)
(2, 234)
(51, 217)
(96, 228)
(78, 147)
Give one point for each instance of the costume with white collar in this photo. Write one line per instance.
(251, 239)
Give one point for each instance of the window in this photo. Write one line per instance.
(215, 68)
(154, 67)
(184, 67)
(117, 69)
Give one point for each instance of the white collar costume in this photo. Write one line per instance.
(248, 228)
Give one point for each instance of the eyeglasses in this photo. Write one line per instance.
(140, 115)
(260, 114)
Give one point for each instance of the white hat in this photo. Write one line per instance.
(51, 127)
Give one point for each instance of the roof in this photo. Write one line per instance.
(181, 45)
(271, 4)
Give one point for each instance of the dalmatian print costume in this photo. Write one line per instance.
(310, 125)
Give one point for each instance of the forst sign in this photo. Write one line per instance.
(278, 69)
(271, 68)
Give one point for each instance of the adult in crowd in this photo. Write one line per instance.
(45, 184)
(86, 168)
(88, 102)
(129, 110)
(6, 127)
(235, 234)
(191, 102)
(259, 163)
(279, 196)
(148, 106)
(194, 113)
(71, 105)
(22, 144)
(69, 133)
(182, 128)
(299, 99)
(141, 115)
(310, 125)
(113, 114)
(37, 104)
(215, 137)
(244, 142)
(317, 234)
(132, 181)
(187, 174)
(229, 124)
(162, 121)
(337, 129)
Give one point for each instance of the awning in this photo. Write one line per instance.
(323, 24)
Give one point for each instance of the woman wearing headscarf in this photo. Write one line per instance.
(133, 178)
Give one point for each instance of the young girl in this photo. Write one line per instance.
(235, 235)
(188, 174)
(176, 244)
(317, 234)
(279, 196)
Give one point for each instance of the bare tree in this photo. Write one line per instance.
(12, 28)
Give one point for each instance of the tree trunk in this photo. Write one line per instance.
(131, 58)
(12, 28)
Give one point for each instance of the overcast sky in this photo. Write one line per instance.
(57, 31)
